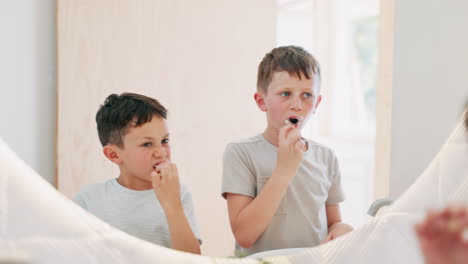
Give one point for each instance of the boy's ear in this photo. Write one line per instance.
(319, 99)
(259, 99)
(111, 152)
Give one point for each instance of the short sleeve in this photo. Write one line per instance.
(335, 192)
(189, 211)
(238, 176)
(79, 200)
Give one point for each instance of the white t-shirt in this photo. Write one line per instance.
(137, 213)
(300, 220)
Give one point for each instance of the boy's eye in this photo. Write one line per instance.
(308, 95)
(165, 141)
(285, 94)
(147, 144)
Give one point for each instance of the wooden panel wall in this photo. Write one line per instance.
(199, 58)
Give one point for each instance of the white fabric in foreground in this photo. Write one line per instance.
(390, 238)
(39, 221)
(47, 227)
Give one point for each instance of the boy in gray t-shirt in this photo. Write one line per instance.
(146, 200)
(282, 190)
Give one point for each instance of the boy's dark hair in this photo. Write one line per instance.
(119, 112)
(293, 59)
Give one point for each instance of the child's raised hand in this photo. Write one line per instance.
(290, 148)
(443, 236)
(166, 185)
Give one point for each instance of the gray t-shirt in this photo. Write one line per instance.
(137, 213)
(301, 219)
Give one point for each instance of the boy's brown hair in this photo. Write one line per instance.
(293, 59)
(120, 112)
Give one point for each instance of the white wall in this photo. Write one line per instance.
(430, 84)
(27, 81)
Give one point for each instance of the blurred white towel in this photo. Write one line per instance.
(49, 228)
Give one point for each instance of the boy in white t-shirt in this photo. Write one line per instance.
(282, 190)
(146, 200)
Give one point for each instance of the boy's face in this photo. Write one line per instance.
(288, 97)
(145, 147)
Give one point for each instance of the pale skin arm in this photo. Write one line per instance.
(249, 217)
(167, 188)
(336, 227)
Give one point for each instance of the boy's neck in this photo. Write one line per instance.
(271, 136)
(134, 183)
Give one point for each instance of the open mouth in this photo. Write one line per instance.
(295, 120)
(155, 166)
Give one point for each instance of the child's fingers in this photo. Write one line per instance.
(167, 171)
(464, 218)
(295, 142)
(431, 215)
(300, 146)
(464, 237)
(456, 220)
(156, 179)
(418, 228)
(170, 173)
(425, 229)
(293, 136)
(284, 131)
(173, 178)
(165, 174)
(329, 238)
